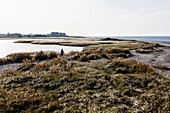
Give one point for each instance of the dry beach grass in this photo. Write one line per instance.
(113, 77)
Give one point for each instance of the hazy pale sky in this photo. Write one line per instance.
(86, 17)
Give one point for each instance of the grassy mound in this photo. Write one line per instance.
(75, 84)
(119, 85)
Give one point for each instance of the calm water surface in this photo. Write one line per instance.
(147, 38)
(8, 46)
(139, 38)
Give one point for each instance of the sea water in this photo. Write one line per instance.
(8, 46)
(165, 39)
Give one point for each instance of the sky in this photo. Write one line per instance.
(86, 17)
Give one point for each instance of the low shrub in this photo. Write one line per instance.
(147, 47)
(123, 55)
(93, 57)
(106, 56)
(2, 61)
(158, 45)
(45, 55)
(52, 55)
(117, 50)
(84, 58)
(40, 56)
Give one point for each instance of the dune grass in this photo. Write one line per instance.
(24, 41)
(120, 85)
(19, 57)
(161, 67)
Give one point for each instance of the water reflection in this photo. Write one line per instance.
(8, 47)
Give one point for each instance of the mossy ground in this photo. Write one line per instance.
(120, 85)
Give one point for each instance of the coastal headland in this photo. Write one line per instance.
(109, 75)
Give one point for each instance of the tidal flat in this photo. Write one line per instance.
(74, 41)
(109, 75)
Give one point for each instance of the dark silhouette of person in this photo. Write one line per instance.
(62, 52)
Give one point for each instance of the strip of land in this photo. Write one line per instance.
(156, 57)
(74, 41)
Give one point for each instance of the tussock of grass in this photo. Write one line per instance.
(24, 41)
(142, 47)
(161, 67)
(3, 61)
(45, 42)
(19, 57)
(157, 45)
(100, 53)
(126, 66)
(125, 46)
(117, 50)
(148, 50)
(111, 39)
(78, 44)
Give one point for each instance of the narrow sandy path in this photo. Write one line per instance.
(9, 67)
(157, 58)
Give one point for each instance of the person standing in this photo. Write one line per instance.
(62, 55)
(62, 52)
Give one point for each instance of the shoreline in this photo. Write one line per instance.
(81, 38)
(148, 58)
(153, 58)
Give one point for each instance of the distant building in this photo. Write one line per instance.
(56, 34)
(14, 35)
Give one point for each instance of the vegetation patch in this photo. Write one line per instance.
(111, 39)
(20, 57)
(161, 67)
(148, 50)
(126, 66)
(59, 85)
(24, 41)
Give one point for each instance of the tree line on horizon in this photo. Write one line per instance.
(52, 34)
